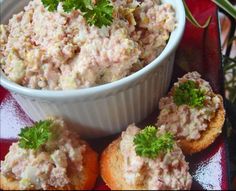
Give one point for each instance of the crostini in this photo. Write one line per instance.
(48, 156)
(192, 112)
(145, 160)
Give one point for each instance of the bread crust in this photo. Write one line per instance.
(90, 173)
(208, 136)
(106, 166)
(111, 165)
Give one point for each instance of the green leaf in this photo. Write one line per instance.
(51, 5)
(229, 63)
(191, 18)
(69, 5)
(227, 6)
(99, 14)
(231, 40)
(147, 144)
(230, 66)
(36, 136)
(88, 4)
(188, 93)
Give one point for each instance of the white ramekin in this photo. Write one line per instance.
(105, 109)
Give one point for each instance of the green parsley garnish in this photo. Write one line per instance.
(36, 136)
(147, 144)
(97, 14)
(51, 5)
(188, 93)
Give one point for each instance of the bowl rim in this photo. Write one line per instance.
(172, 44)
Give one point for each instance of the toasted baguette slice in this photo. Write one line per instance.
(208, 136)
(78, 182)
(110, 167)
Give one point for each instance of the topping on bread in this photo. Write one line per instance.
(123, 168)
(49, 156)
(191, 110)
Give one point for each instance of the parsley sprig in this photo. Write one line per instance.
(147, 144)
(34, 137)
(51, 5)
(98, 14)
(188, 93)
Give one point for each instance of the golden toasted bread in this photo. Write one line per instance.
(208, 136)
(84, 181)
(110, 167)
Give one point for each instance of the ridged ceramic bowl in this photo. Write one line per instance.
(106, 109)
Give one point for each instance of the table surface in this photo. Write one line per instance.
(199, 50)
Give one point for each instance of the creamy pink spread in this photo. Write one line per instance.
(168, 171)
(184, 121)
(46, 167)
(57, 50)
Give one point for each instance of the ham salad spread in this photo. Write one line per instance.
(165, 172)
(47, 167)
(184, 121)
(59, 50)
